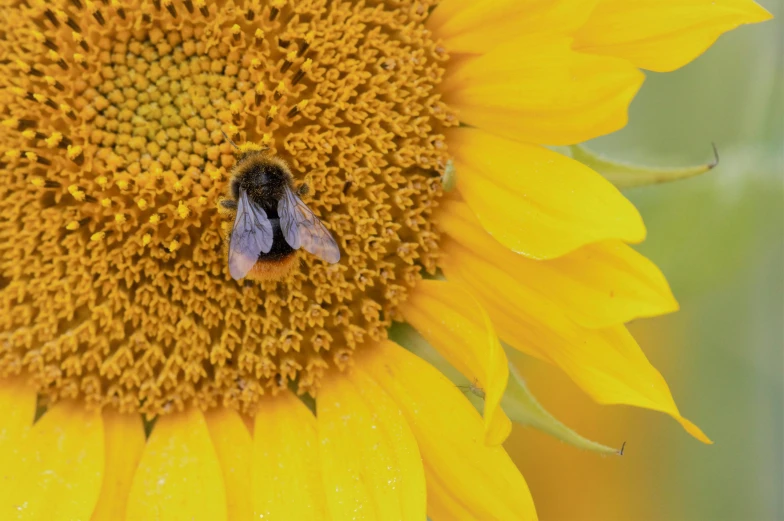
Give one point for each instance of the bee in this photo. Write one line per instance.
(271, 221)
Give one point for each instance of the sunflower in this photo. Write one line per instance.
(139, 381)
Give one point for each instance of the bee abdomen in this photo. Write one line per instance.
(280, 248)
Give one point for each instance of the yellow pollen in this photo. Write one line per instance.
(67, 110)
(54, 140)
(73, 151)
(182, 210)
(115, 166)
(250, 147)
(60, 15)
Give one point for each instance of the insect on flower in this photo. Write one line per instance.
(474, 388)
(271, 221)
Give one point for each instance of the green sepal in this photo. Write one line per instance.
(629, 175)
(518, 403)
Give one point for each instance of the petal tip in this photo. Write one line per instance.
(694, 430)
(756, 14)
(637, 231)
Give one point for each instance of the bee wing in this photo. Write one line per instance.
(301, 227)
(251, 235)
(289, 218)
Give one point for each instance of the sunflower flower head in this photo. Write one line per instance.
(422, 128)
(117, 160)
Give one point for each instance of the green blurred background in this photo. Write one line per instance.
(719, 239)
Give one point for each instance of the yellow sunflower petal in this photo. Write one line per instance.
(369, 458)
(663, 35)
(454, 323)
(286, 476)
(477, 27)
(58, 477)
(17, 410)
(466, 479)
(234, 446)
(597, 285)
(536, 89)
(535, 201)
(123, 443)
(606, 363)
(179, 477)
